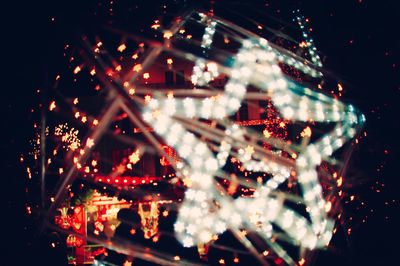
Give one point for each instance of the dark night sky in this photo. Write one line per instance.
(359, 38)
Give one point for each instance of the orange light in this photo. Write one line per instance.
(137, 67)
(328, 206)
(177, 258)
(77, 69)
(266, 252)
(75, 101)
(99, 44)
(340, 88)
(146, 75)
(121, 48)
(131, 91)
(306, 132)
(267, 134)
(236, 260)
(126, 84)
(109, 72)
(77, 115)
(147, 98)
(118, 68)
(303, 44)
(95, 122)
(52, 106)
(127, 263)
(339, 181)
(89, 142)
(93, 72)
(134, 157)
(221, 261)
(94, 163)
(170, 61)
(167, 35)
(189, 37)
(155, 26)
(302, 261)
(135, 56)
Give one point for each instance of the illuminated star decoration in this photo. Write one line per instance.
(256, 63)
(207, 209)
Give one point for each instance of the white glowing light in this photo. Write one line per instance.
(256, 63)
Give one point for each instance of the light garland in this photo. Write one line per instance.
(199, 218)
(203, 73)
(309, 42)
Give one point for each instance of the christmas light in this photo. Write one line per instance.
(256, 63)
(198, 151)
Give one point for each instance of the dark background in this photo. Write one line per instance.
(360, 40)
